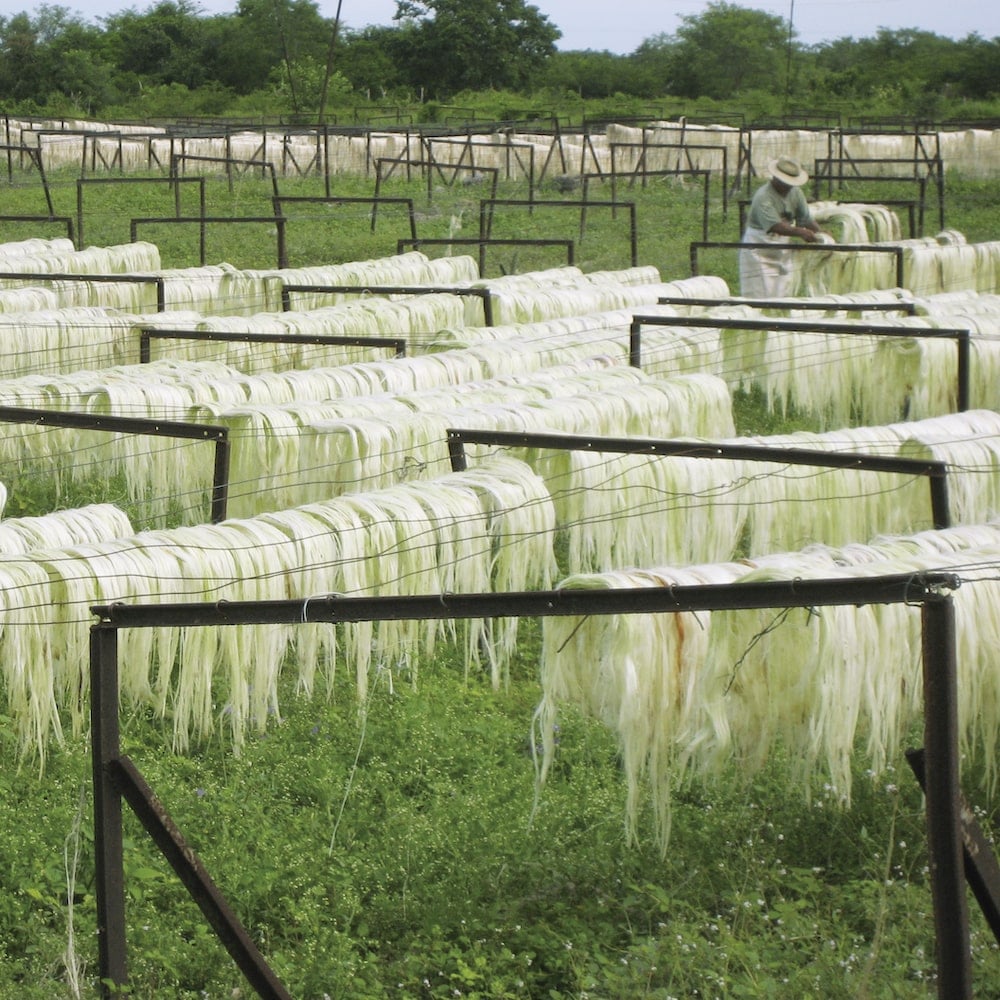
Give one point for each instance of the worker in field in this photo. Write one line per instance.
(778, 214)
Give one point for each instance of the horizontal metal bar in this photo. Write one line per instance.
(807, 247)
(391, 289)
(84, 181)
(274, 220)
(895, 251)
(41, 218)
(910, 588)
(803, 326)
(128, 279)
(146, 333)
(130, 425)
(962, 337)
(554, 203)
(811, 304)
(461, 290)
(698, 449)
(340, 200)
(473, 241)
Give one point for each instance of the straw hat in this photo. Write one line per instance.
(788, 171)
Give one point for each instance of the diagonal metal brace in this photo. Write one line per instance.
(189, 869)
(982, 870)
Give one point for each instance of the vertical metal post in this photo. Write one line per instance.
(220, 480)
(707, 176)
(484, 229)
(487, 297)
(725, 184)
(282, 246)
(613, 148)
(944, 830)
(109, 861)
(940, 191)
(634, 345)
(633, 234)
(79, 215)
(456, 452)
(326, 159)
(964, 353)
(940, 508)
(281, 222)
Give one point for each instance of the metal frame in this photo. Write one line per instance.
(477, 292)
(64, 219)
(910, 204)
(812, 305)
(486, 206)
(126, 279)
(704, 174)
(35, 156)
(142, 426)
(449, 241)
(265, 166)
(429, 166)
(936, 472)
(277, 221)
(115, 777)
(174, 182)
(896, 251)
(281, 200)
(961, 337)
(147, 333)
(639, 171)
(921, 181)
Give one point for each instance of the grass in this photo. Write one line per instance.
(393, 849)
(668, 213)
(397, 854)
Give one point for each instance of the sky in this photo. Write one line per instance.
(621, 25)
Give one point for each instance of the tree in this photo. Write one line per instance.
(728, 50)
(918, 66)
(980, 65)
(280, 32)
(52, 55)
(366, 58)
(21, 72)
(161, 45)
(586, 73)
(446, 46)
(653, 65)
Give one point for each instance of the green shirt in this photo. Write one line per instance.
(768, 208)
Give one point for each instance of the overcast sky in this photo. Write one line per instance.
(621, 25)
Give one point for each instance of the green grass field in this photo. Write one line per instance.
(395, 849)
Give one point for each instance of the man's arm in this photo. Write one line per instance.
(806, 231)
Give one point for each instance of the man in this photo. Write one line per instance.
(778, 213)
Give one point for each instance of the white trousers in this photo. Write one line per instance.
(765, 274)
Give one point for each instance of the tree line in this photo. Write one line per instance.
(284, 57)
